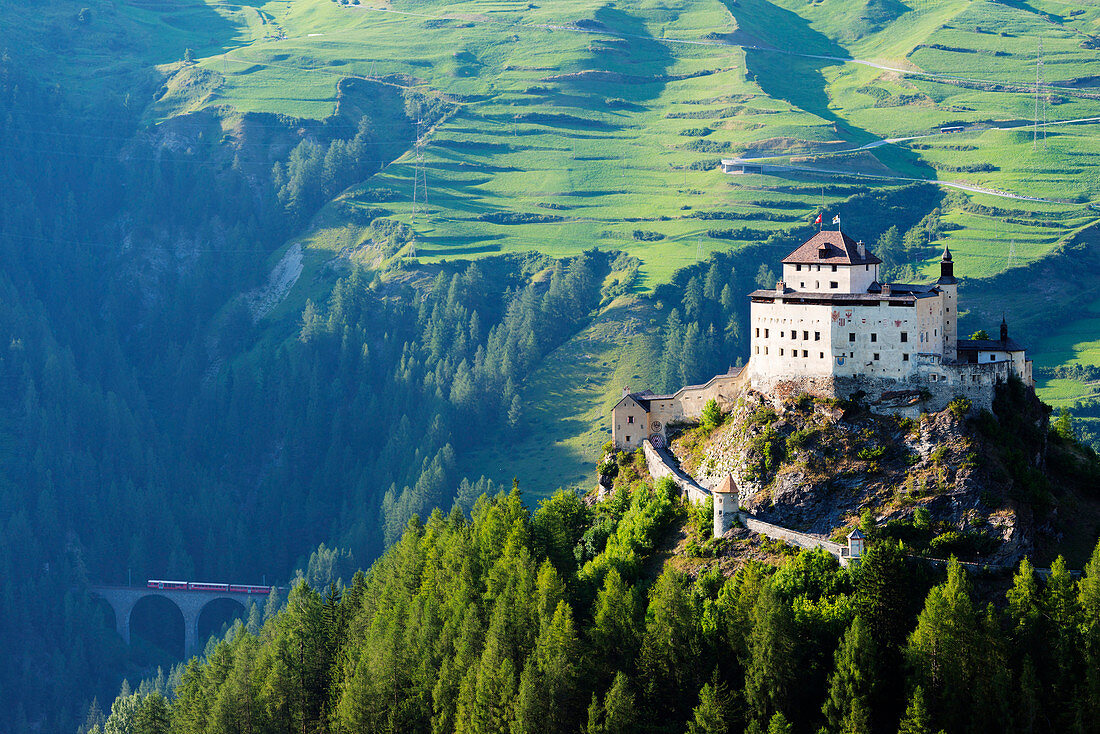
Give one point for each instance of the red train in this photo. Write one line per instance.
(202, 586)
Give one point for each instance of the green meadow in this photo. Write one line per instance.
(586, 123)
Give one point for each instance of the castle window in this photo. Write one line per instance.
(798, 268)
(802, 284)
(805, 335)
(875, 357)
(905, 336)
(874, 337)
(805, 353)
(905, 358)
(834, 284)
(794, 335)
(758, 350)
(780, 351)
(851, 337)
(817, 336)
(758, 332)
(630, 419)
(765, 333)
(834, 268)
(821, 355)
(765, 350)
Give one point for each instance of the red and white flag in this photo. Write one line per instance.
(818, 220)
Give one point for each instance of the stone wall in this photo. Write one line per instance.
(802, 540)
(661, 465)
(930, 390)
(687, 402)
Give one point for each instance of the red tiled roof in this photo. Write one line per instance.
(833, 248)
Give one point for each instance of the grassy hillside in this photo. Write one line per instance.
(580, 124)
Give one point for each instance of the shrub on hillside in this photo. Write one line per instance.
(519, 218)
(712, 415)
(647, 236)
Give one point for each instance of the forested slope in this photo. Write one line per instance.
(491, 623)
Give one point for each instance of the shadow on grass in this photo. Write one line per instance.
(441, 248)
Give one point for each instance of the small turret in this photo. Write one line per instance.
(856, 544)
(726, 505)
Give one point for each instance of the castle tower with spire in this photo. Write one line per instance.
(949, 286)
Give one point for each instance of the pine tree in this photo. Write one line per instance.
(916, 719)
(1024, 602)
(779, 724)
(486, 703)
(614, 634)
(595, 717)
(1028, 700)
(772, 667)
(559, 658)
(881, 603)
(620, 710)
(670, 638)
(944, 650)
(691, 355)
(151, 716)
(1088, 599)
(711, 715)
(847, 708)
(1060, 604)
(672, 351)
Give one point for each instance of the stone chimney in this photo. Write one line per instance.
(626, 390)
(862, 250)
(780, 287)
(886, 290)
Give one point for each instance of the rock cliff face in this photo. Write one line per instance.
(947, 483)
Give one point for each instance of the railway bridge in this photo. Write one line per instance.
(190, 602)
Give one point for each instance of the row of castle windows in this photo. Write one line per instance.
(874, 336)
(817, 335)
(817, 284)
(798, 267)
(876, 356)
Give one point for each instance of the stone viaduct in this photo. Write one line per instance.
(123, 599)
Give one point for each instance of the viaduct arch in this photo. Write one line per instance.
(190, 602)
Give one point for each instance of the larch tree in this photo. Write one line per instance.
(848, 706)
(772, 667)
(711, 716)
(943, 648)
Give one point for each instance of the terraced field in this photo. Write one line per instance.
(580, 123)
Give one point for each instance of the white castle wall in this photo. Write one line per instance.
(819, 278)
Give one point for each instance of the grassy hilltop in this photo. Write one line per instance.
(577, 124)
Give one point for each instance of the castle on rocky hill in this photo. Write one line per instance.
(830, 328)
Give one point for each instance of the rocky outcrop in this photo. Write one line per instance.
(815, 465)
